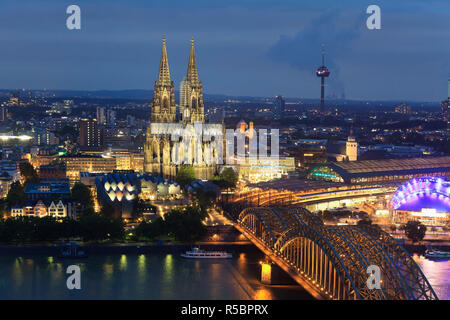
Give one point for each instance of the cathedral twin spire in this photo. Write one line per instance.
(164, 73)
(191, 99)
(192, 73)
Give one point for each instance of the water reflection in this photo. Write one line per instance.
(168, 268)
(141, 267)
(108, 270)
(263, 294)
(123, 263)
(131, 276)
(437, 273)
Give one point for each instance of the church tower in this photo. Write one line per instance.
(351, 148)
(192, 108)
(157, 148)
(163, 105)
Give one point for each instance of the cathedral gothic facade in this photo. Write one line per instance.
(161, 153)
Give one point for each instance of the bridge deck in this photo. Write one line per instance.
(315, 292)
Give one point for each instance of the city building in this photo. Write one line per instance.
(47, 191)
(82, 163)
(160, 151)
(343, 150)
(121, 189)
(43, 208)
(445, 109)
(110, 117)
(278, 107)
(381, 171)
(403, 108)
(91, 136)
(426, 199)
(52, 171)
(3, 113)
(101, 115)
(9, 173)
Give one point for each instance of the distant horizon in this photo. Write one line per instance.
(243, 47)
(211, 95)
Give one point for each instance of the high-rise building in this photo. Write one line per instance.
(278, 107)
(403, 108)
(101, 115)
(3, 113)
(90, 133)
(111, 117)
(445, 110)
(131, 120)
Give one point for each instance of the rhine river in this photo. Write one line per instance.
(160, 276)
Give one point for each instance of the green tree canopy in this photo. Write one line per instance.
(186, 224)
(16, 194)
(415, 230)
(97, 227)
(227, 179)
(107, 209)
(82, 193)
(185, 175)
(28, 171)
(364, 222)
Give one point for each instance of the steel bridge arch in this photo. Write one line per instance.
(348, 251)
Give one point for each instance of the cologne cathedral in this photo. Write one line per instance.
(161, 150)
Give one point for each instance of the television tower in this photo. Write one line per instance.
(323, 73)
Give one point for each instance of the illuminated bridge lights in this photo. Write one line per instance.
(431, 188)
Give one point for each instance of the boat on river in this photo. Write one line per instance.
(437, 254)
(197, 253)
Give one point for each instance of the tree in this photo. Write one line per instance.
(150, 230)
(107, 209)
(185, 225)
(83, 194)
(415, 231)
(28, 171)
(96, 227)
(227, 179)
(364, 222)
(139, 207)
(16, 194)
(204, 199)
(185, 175)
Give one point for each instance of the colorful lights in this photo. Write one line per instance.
(421, 188)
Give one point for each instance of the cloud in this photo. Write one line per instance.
(303, 49)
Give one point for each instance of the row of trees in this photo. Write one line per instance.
(414, 230)
(88, 228)
(182, 224)
(227, 179)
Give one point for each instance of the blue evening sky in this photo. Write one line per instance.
(243, 47)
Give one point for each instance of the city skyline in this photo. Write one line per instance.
(256, 56)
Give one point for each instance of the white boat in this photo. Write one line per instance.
(437, 254)
(197, 253)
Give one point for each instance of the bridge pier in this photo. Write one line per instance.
(266, 272)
